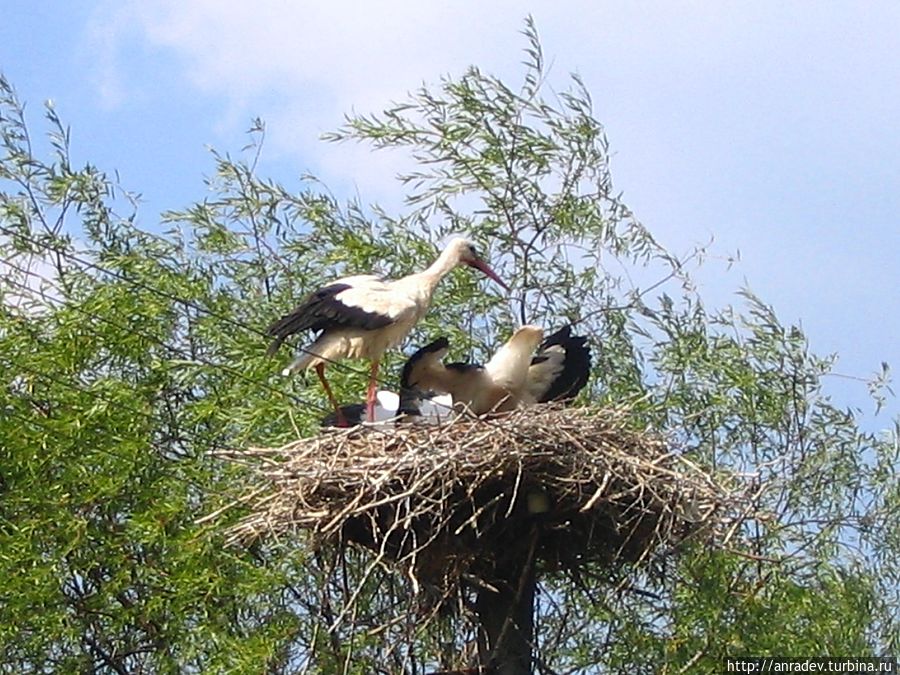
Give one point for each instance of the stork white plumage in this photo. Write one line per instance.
(515, 375)
(364, 316)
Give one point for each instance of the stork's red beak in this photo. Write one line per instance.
(488, 272)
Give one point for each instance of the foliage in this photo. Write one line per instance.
(129, 357)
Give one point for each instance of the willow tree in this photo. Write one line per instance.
(131, 357)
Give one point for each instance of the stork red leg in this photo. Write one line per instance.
(370, 394)
(341, 420)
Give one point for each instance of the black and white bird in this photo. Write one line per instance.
(364, 316)
(515, 376)
(410, 405)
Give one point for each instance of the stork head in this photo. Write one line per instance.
(521, 345)
(508, 367)
(464, 252)
(528, 336)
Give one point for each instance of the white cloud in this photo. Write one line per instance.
(768, 124)
(676, 68)
(302, 66)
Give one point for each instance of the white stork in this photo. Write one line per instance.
(364, 316)
(515, 375)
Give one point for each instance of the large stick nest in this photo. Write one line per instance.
(568, 486)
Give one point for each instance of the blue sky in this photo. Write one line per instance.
(773, 127)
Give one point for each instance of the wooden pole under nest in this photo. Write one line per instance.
(507, 614)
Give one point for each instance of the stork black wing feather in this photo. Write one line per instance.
(576, 365)
(321, 310)
(422, 352)
(354, 413)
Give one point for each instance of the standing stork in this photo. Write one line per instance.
(514, 376)
(364, 316)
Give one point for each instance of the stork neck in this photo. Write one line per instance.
(508, 367)
(445, 262)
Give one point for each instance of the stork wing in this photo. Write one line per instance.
(376, 297)
(364, 302)
(423, 365)
(561, 367)
(425, 375)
